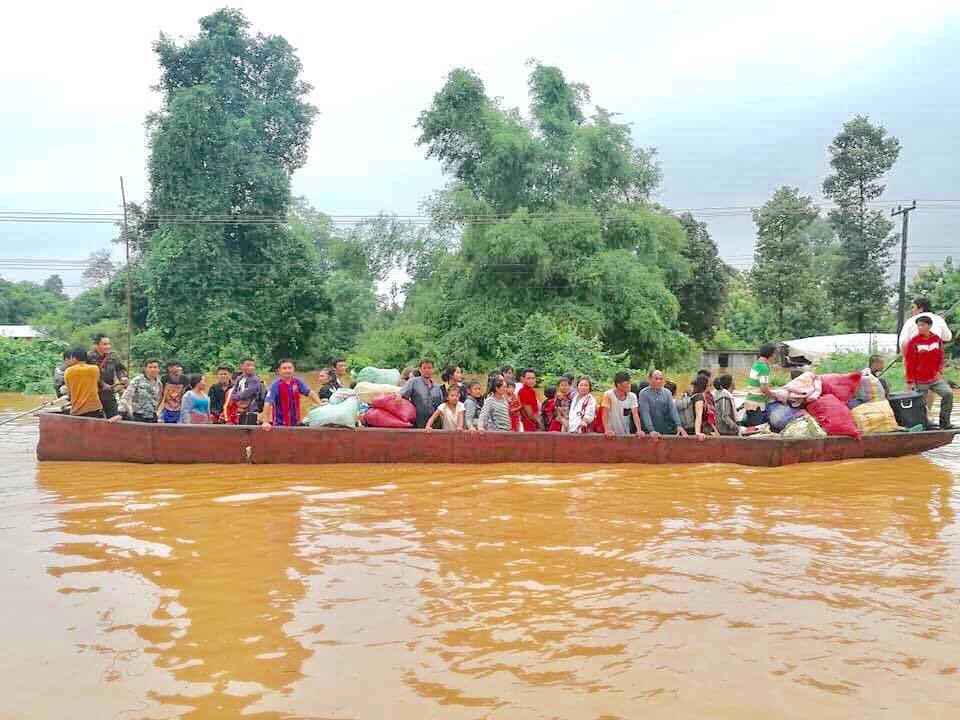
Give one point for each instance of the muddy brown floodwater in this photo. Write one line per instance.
(512, 591)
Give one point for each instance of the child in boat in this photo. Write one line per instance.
(515, 406)
(195, 403)
(495, 415)
(561, 406)
(473, 405)
(546, 408)
(449, 413)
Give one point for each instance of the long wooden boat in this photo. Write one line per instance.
(69, 438)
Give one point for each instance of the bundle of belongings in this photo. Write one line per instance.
(848, 404)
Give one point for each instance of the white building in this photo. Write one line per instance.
(20, 332)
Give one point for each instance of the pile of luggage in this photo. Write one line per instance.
(372, 402)
(852, 405)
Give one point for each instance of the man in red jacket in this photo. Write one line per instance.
(924, 358)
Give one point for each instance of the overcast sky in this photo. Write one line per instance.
(738, 98)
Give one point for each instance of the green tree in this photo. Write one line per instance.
(54, 285)
(782, 275)
(222, 265)
(100, 268)
(703, 295)
(22, 302)
(547, 215)
(860, 155)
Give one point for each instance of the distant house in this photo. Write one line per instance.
(728, 359)
(20, 332)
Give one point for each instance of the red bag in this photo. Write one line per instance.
(843, 386)
(834, 416)
(403, 410)
(377, 417)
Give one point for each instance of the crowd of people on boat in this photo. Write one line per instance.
(96, 384)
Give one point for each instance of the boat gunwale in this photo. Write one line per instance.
(64, 437)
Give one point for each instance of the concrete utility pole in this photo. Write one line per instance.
(126, 249)
(901, 303)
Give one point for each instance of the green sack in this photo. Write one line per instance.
(805, 426)
(379, 375)
(342, 415)
(342, 394)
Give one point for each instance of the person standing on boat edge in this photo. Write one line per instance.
(529, 403)
(282, 404)
(423, 392)
(758, 387)
(249, 392)
(113, 375)
(83, 384)
(658, 413)
(143, 395)
(617, 407)
(924, 359)
(218, 394)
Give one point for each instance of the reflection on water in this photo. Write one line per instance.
(462, 592)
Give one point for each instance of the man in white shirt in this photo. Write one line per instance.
(921, 306)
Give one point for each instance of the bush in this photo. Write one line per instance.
(27, 366)
(552, 351)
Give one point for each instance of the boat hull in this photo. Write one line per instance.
(70, 438)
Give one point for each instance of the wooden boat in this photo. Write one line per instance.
(69, 438)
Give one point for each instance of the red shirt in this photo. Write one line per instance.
(528, 397)
(924, 358)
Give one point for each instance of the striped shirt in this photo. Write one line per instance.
(759, 375)
(495, 414)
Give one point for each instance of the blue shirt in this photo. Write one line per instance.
(192, 404)
(285, 398)
(658, 412)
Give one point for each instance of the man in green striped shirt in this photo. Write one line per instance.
(758, 386)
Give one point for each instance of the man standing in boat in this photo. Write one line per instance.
(938, 326)
(924, 359)
(282, 404)
(113, 375)
(249, 392)
(658, 413)
(423, 392)
(144, 394)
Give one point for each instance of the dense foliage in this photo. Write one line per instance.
(221, 265)
(22, 301)
(28, 366)
(549, 216)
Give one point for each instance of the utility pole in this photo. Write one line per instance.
(901, 303)
(126, 250)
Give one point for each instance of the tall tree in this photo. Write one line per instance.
(551, 216)
(782, 273)
(222, 265)
(100, 268)
(703, 294)
(860, 155)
